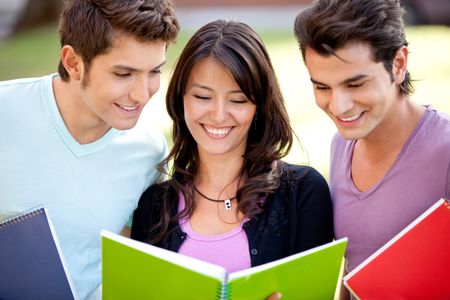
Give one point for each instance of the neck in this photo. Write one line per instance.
(219, 175)
(84, 125)
(394, 131)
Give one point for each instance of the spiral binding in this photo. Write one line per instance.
(223, 291)
(22, 216)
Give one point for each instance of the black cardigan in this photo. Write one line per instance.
(297, 216)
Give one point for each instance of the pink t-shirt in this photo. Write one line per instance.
(229, 250)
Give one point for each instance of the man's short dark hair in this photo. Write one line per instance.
(329, 25)
(89, 25)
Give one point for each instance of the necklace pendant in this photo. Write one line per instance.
(227, 204)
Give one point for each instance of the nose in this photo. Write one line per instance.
(219, 110)
(141, 90)
(340, 103)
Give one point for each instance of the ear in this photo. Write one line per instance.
(72, 62)
(400, 64)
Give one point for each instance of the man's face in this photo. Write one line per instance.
(120, 82)
(356, 92)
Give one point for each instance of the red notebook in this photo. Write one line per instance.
(415, 264)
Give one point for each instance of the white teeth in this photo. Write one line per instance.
(215, 131)
(349, 119)
(127, 108)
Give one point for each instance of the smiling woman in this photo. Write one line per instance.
(228, 187)
(216, 108)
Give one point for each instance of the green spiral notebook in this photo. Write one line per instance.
(135, 270)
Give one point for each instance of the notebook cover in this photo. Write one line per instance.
(312, 274)
(133, 270)
(415, 264)
(30, 265)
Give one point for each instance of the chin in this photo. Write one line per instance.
(216, 151)
(348, 135)
(355, 132)
(124, 126)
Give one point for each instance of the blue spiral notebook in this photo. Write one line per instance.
(31, 263)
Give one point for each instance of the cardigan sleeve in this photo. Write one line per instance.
(144, 215)
(314, 211)
(298, 216)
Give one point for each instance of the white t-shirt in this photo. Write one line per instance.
(85, 188)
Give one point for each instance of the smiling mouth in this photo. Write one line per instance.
(218, 132)
(127, 108)
(350, 119)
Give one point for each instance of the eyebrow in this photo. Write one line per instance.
(210, 89)
(131, 69)
(346, 81)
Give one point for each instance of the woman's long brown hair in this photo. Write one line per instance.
(242, 52)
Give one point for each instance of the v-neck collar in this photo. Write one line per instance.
(374, 187)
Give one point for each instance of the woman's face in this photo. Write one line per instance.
(216, 111)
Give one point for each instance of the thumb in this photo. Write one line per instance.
(274, 296)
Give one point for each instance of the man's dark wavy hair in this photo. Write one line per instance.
(329, 25)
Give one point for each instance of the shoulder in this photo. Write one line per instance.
(17, 89)
(146, 139)
(435, 130)
(20, 83)
(146, 134)
(15, 83)
(299, 172)
(439, 122)
(337, 139)
(154, 194)
(302, 187)
(150, 205)
(300, 177)
(339, 144)
(149, 211)
(22, 102)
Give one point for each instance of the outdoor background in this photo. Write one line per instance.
(35, 52)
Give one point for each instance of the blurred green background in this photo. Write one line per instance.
(36, 52)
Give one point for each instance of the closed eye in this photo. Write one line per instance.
(202, 97)
(321, 87)
(122, 75)
(355, 85)
(239, 101)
